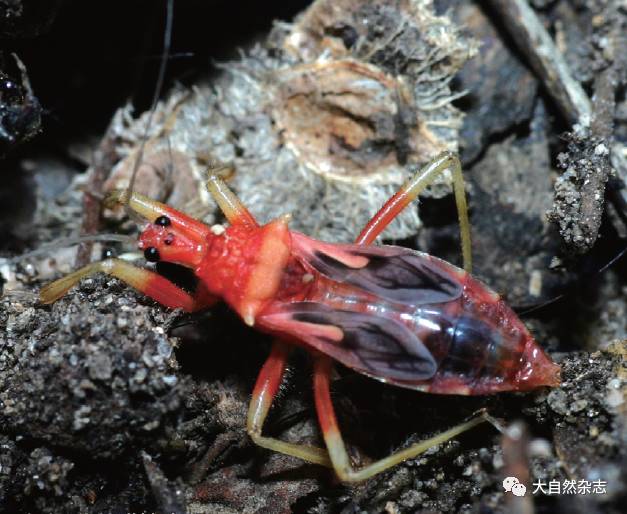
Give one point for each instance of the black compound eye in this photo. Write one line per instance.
(151, 254)
(163, 221)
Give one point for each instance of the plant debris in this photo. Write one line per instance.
(343, 128)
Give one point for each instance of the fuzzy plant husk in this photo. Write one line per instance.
(325, 120)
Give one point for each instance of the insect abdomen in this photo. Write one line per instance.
(475, 358)
(488, 349)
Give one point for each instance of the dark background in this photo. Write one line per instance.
(85, 59)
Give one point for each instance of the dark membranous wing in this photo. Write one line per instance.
(376, 345)
(390, 272)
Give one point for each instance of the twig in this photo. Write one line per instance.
(515, 445)
(601, 130)
(168, 496)
(546, 60)
(600, 137)
(579, 221)
(222, 442)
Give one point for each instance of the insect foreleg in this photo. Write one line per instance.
(410, 191)
(266, 388)
(148, 282)
(335, 444)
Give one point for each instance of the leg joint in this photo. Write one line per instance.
(254, 432)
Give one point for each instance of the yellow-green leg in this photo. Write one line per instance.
(266, 388)
(148, 282)
(335, 444)
(410, 191)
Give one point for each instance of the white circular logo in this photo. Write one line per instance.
(519, 489)
(513, 484)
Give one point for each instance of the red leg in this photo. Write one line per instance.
(384, 217)
(410, 191)
(333, 437)
(148, 282)
(266, 388)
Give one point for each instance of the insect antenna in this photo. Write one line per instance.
(167, 41)
(558, 297)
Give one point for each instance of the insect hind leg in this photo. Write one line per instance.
(410, 191)
(266, 388)
(335, 444)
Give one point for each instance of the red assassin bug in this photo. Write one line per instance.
(397, 315)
